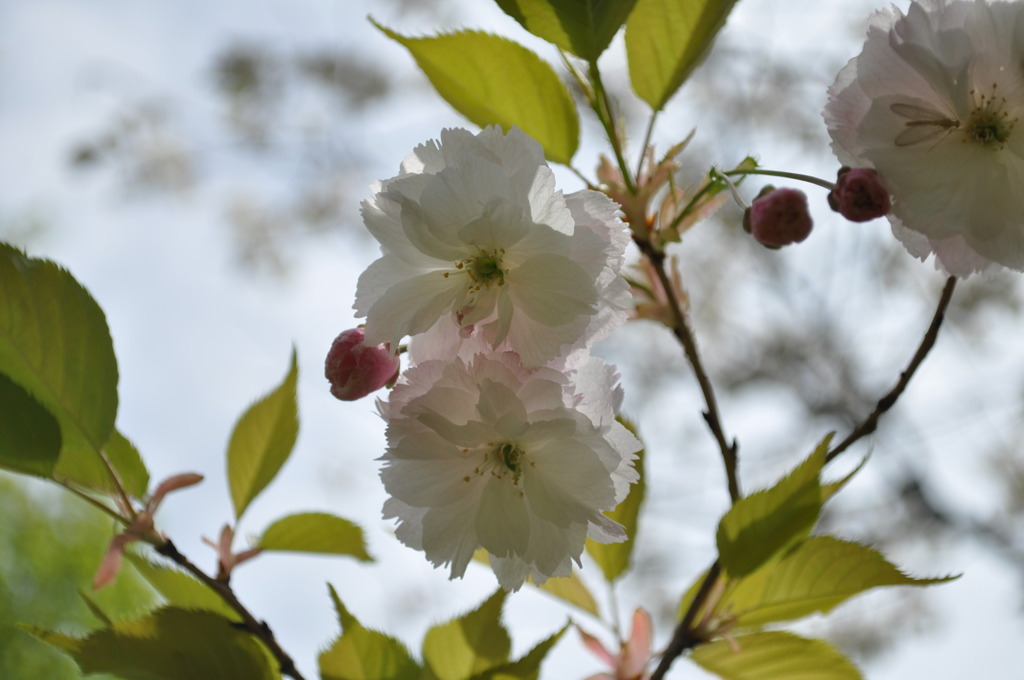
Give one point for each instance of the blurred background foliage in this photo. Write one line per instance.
(798, 344)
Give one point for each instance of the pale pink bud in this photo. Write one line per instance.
(355, 370)
(778, 217)
(859, 195)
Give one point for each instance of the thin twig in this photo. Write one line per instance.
(258, 629)
(683, 637)
(681, 329)
(870, 423)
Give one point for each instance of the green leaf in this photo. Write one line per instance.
(815, 576)
(55, 344)
(572, 590)
(362, 654)
(29, 434)
(666, 40)
(759, 526)
(774, 655)
(169, 644)
(262, 441)
(527, 667)
(494, 81)
(582, 27)
(614, 558)
(180, 589)
(469, 644)
(315, 532)
(126, 460)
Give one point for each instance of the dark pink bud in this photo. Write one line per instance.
(356, 370)
(859, 195)
(778, 217)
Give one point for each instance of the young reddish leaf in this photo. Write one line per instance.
(759, 526)
(55, 344)
(362, 654)
(469, 644)
(169, 644)
(584, 28)
(614, 558)
(30, 439)
(262, 440)
(774, 655)
(815, 576)
(494, 81)
(315, 532)
(666, 40)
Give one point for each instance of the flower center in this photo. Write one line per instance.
(483, 269)
(988, 124)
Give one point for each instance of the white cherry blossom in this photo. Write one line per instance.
(521, 462)
(933, 103)
(474, 235)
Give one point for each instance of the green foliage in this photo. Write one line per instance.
(814, 576)
(362, 654)
(52, 545)
(29, 435)
(315, 532)
(169, 644)
(470, 644)
(582, 27)
(494, 81)
(762, 524)
(614, 558)
(666, 40)
(262, 441)
(572, 590)
(180, 589)
(128, 462)
(55, 344)
(526, 668)
(774, 655)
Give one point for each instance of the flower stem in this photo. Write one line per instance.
(681, 329)
(602, 106)
(870, 423)
(810, 179)
(258, 629)
(683, 638)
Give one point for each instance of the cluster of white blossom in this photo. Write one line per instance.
(932, 103)
(502, 431)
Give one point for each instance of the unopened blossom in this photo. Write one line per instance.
(778, 217)
(356, 369)
(521, 462)
(473, 229)
(859, 195)
(933, 104)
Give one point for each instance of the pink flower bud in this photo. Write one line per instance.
(859, 195)
(778, 217)
(356, 370)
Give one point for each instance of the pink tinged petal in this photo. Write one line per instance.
(637, 650)
(355, 369)
(111, 563)
(597, 648)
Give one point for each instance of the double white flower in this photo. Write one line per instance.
(502, 433)
(933, 103)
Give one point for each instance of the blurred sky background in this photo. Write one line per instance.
(216, 223)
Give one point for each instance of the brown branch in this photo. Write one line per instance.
(681, 329)
(870, 423)
(258, 629)
(684, 638)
